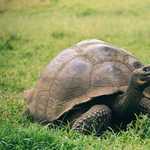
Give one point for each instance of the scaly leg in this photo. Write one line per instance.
(96, 119)
(144, 106)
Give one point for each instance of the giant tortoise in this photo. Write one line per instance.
(90, 85)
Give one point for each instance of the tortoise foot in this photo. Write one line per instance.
(96, 119)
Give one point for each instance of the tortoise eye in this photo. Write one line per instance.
(146, 69)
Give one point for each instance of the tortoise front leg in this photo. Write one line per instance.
(144, 106)
(95, 119)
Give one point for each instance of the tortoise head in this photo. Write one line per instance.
(127, 103)
(141, 77)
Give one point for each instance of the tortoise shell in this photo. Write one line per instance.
(88, 69)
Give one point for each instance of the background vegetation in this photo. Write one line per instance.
(33, 32)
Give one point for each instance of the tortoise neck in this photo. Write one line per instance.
(126, 104)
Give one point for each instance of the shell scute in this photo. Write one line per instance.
(88, 69)
(110, 75)
(73, 80)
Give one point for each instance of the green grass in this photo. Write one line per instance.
(33, 32)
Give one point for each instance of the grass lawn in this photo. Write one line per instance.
(33, 32)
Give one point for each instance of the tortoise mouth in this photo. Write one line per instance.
(146, 77)
(147, 74)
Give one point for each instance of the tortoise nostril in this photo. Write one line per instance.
(146, 69)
